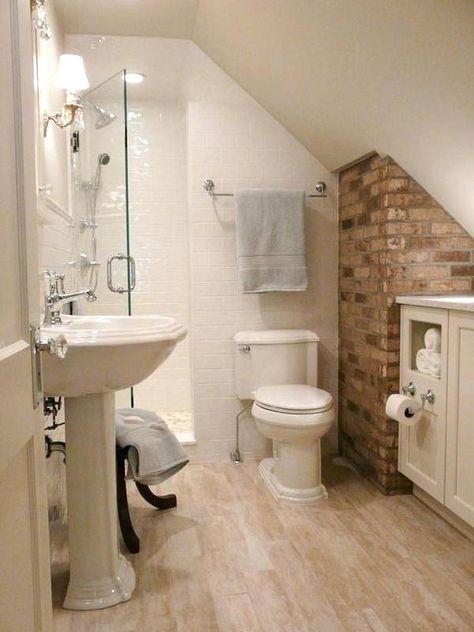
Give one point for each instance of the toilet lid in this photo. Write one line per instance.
(293, 398)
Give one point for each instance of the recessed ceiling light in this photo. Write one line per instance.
(134, 77)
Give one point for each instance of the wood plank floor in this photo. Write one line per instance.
(230, 558)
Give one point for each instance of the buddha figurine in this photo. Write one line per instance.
(428, 360)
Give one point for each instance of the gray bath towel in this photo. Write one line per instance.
(271, 241)
(154, 453)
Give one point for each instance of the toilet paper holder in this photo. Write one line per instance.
(429, 397)
(410, 389)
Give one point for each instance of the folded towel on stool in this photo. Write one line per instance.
(154, 453)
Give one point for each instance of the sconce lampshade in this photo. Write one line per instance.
(71, 73)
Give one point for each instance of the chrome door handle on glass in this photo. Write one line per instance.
(132, 278)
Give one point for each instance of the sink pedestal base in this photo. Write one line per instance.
(99, 575)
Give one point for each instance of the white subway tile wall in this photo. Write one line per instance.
(184, 241)
(240, 145)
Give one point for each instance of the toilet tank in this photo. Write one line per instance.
(274, 356)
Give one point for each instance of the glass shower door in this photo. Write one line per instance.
(99, 176)
(129, 174)
(100, 197)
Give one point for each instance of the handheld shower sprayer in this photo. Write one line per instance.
(102, 159)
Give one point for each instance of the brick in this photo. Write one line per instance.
(430, 272)
(452, 255)
(398, 184)
(446, 228)
(453, 285)
(394, 239)
(403, 199)
(406, 228)
(462, 270)
(396, 214)
(424, 214)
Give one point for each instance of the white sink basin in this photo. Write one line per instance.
(107, 353)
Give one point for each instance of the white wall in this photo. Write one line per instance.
(237, 144)
(232, 140)
(55, 231)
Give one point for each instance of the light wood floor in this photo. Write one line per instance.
(232, 559)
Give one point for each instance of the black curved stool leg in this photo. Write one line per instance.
(130, 538)
(160, 502)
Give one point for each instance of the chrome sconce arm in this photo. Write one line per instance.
(62, 119)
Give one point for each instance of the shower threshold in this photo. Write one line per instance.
(180, 422)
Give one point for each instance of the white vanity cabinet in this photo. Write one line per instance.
(422, 447)
(459, 486)
(437, 453)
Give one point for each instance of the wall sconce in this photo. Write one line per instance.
(71, 76)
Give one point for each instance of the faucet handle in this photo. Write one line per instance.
(59, 283)
(50, 280)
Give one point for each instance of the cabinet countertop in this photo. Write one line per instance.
(463, 302)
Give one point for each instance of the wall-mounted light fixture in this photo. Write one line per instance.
(71, 76)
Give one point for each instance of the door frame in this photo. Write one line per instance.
(20, 48)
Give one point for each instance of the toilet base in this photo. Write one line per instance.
(305, 496)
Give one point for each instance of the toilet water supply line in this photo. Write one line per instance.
(235, 455)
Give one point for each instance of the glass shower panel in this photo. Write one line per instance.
(100, 192)
(159, 241)
(129, 174)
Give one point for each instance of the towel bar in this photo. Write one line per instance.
(209, 186)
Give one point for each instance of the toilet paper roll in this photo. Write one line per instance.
(406, 410)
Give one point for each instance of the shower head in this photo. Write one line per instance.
(103, 118)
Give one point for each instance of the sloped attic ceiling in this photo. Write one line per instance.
(156, 18)
(345, 77)
(350, 76)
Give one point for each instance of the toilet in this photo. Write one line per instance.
(278, 370)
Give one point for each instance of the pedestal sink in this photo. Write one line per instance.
(105, 354)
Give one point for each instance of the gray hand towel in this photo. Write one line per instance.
(154, 453)
(271, 240)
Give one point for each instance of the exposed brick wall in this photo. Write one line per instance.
(394, 239)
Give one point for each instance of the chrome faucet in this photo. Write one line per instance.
(56, 297)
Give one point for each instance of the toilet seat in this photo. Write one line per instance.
(293, 399)
(292, 420)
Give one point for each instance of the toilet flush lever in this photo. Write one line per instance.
(244, 348)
